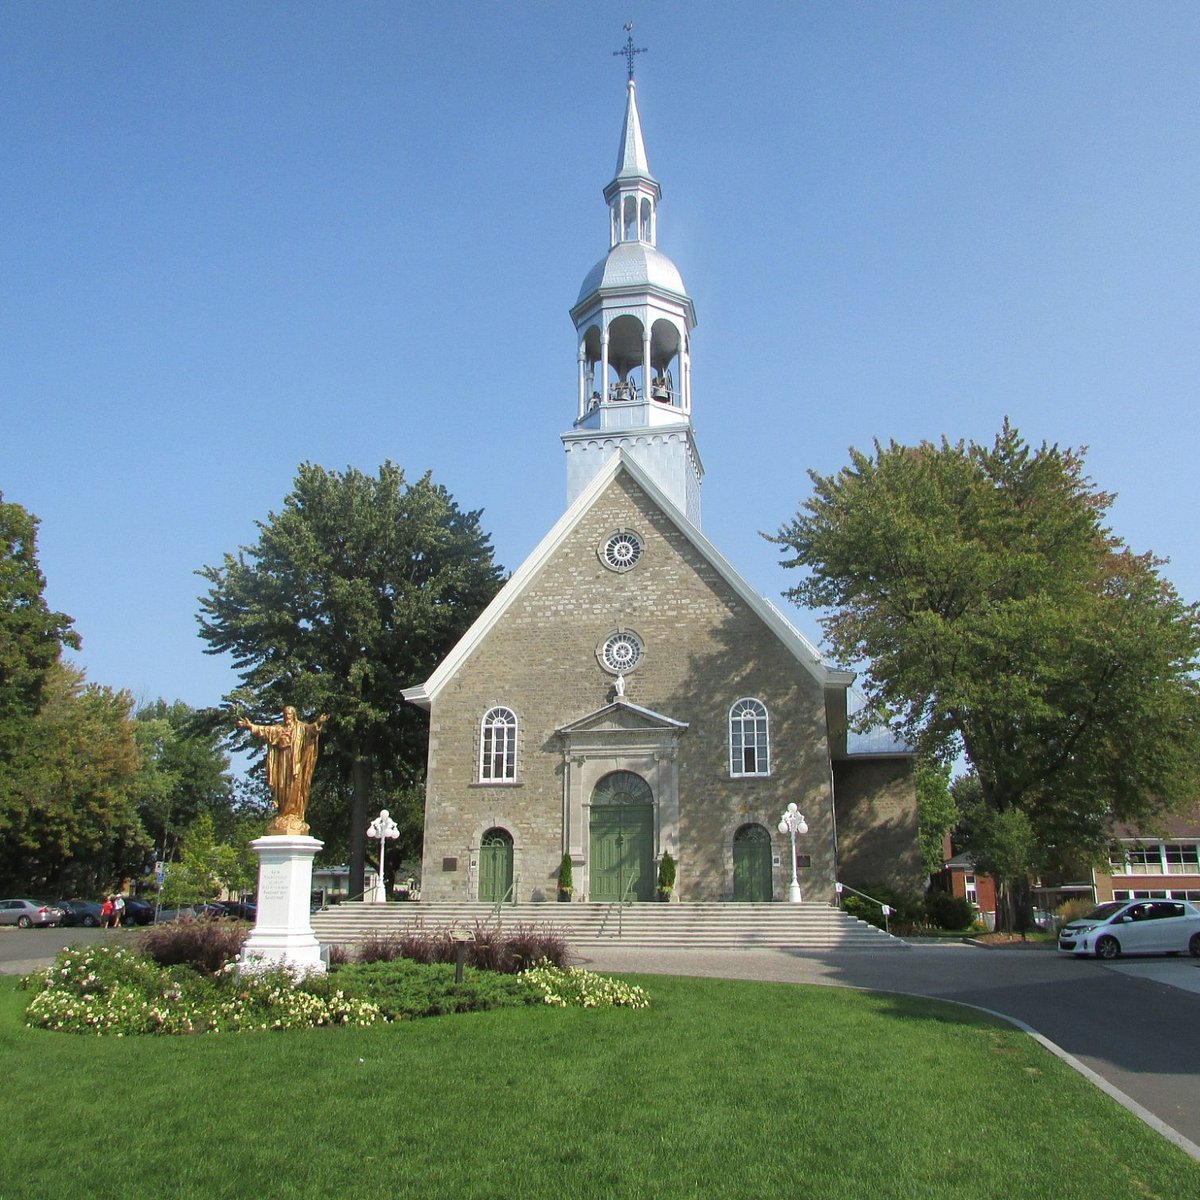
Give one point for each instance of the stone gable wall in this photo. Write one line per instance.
(704, 649)
(877, 823)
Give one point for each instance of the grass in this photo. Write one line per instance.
(720, 1088)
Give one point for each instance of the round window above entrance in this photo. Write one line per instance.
(620, 652)
(622, 551)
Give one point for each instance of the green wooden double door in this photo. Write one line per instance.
(621, 862)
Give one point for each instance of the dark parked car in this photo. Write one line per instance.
(137, 911)
(26, 913)
(229, 910)
(79, 912)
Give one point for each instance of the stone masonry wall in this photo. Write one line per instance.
(704, 650)
(877, 823)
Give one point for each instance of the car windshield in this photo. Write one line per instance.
(1103, 911)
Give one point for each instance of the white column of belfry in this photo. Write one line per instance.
(283, 934)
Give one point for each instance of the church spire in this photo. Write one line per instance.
(634, 321)
(631, 157)
(633, 194)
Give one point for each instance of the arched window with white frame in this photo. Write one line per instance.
(749, 739)
(498, 746)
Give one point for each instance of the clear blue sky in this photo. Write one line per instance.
(239, 236)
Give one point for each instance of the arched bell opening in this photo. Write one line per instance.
(666, 381)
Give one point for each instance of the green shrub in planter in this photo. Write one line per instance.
(566, 879)
(666, 875)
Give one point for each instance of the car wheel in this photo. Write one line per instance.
(90, 921)
(1108, 947)
(23, 922)
(1194, 945)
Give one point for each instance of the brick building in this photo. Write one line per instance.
(627, 694)
(1164, 866)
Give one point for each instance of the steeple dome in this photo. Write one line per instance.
(634, 321)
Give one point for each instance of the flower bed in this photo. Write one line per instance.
(107, 989)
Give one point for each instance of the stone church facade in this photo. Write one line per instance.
(627, 694)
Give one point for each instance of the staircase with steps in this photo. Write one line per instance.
(703, 926)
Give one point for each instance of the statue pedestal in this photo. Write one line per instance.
(283, 934)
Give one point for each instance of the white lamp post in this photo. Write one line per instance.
(792, 822)
(383, 827)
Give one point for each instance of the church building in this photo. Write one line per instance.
(627, 694)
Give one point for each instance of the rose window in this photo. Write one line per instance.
(621, 653)
(622, 551)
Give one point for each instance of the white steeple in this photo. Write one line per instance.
(634, 321)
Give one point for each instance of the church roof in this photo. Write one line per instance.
(635, 265)
(792, 640)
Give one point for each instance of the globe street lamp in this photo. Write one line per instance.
(383, 827)
(792, 822)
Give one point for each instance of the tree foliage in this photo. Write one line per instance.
(936, 811)
(183, 773)
(999, 617)
(354, 591)
(67, 756)
(206, 865)
(72, 822)
(31, 639)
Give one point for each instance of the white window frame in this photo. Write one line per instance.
(1188, 851)
(498, 754)
(749, 731)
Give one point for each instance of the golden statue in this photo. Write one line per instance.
(291, 757)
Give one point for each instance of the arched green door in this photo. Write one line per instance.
(752, 864)
(495, 866)
(621, 855)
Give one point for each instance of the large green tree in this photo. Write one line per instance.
(997, 616)
(73, 825)
(31, 639)
(184, 773)
(936, 811)
(353, 591)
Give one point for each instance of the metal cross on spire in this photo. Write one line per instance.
(629, 50)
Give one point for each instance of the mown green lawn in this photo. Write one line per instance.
(721, 1089)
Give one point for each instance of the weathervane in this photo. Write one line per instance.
(629, 51)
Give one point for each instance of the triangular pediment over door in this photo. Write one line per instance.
(621, 737)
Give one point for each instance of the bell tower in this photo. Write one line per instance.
(633, 323)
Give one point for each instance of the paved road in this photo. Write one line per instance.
(26, 950)
(1134, 1023)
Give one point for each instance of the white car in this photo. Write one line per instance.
(1134, 927)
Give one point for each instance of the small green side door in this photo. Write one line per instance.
(752, 864)
(495, 866)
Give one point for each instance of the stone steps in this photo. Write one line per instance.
(711, 926)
